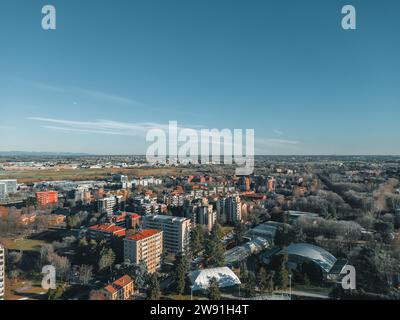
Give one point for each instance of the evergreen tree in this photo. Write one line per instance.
(251, 284)
(279, 265)
(197, 240)
(263, 280)
(181, 269)
(216, 231)
(269, 285)
(244, 272)
(213, 290)
(153, 288)
(240, 230)
(141, 275)
(214, 248)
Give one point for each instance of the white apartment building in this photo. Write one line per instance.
(3, 190)
(176, 231)
(11, 185)
(110, 205)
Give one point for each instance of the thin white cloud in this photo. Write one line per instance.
(100, 126)
(75, 130)
(278, 132)
(274, 142)
(277, 146)
(140, 129)
(98, 95)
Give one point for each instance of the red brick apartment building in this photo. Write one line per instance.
(46, 198)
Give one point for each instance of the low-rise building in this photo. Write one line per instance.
(226, 278)
(105, 232)
(121, 289)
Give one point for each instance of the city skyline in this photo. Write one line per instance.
(105, 76)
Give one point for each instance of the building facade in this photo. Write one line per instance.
(206, 216)
(229, 209)
(176, 231)
(110, 205)
(121, 289)
(46, 198)
(11, 185)
(145, 245)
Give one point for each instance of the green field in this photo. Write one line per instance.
(29, 176)
(22, 244)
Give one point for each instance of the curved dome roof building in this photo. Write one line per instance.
(303, 251)
(200, 279)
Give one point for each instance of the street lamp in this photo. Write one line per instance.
(290, 285)
(191, 292)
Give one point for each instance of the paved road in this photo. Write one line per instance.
(307, 294)
(34, 296)
(260, 297)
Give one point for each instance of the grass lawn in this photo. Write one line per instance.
(19, 289)
(312, 289)
(22, 244)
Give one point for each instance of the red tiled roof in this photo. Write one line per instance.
(132, 214)
(123, 281)
(143, 234)
(118, 284)
(110, 288)
(109, 228)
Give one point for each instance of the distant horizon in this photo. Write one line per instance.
(27, 153)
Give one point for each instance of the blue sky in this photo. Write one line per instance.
(113, 69)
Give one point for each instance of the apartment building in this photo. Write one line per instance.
(145, 245)
(229, 209)
(2, 272)
(82, 194)
(3, 190)
(121, 289)
(11, 185)
(205, 215)
(176, 231)
(46, 198)
(110, 205)
(271, 184)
